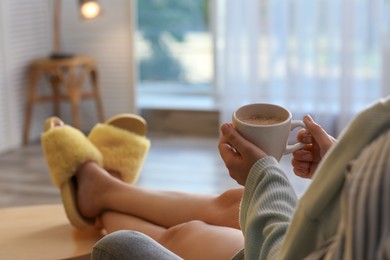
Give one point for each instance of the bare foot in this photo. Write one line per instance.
(92, 182)
(115, 174)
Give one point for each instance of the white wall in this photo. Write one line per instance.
(3, 93)
(109, 40)
(26, 33)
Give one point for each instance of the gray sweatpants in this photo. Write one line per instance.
(126, 244)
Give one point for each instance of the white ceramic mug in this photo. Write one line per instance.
(268, 126)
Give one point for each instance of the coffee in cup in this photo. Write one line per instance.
(268, 126)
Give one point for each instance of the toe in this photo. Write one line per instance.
(53, 122)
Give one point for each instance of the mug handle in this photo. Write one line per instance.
(297, 146)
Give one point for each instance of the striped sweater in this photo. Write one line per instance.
(275, 225)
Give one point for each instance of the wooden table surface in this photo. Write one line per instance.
(43, 232)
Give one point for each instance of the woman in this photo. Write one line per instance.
(195, 226)
(346, 203)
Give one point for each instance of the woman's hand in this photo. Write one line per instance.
(238, 153)
(317, 141)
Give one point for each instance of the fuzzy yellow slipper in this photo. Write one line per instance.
(123, 144)
(66, 149)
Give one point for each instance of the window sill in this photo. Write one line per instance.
(176, 102)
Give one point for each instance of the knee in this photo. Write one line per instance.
(226, 207)
(230, 198)
(176, 233)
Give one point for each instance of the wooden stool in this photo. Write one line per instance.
(69, 73)
(43, 232)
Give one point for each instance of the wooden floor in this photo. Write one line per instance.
(183, 163)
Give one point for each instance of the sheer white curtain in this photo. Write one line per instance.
(323, 57)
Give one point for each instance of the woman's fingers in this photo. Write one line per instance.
(301, 168)
(317, 132)
(238, 153)
(304, 136)
(301, 162)
(300, 165)
(234, 139)
(227, 152)
(303, 155)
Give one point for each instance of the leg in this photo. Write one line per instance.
(98, 191)
(169, 217)
(191, 240)
(113, 221)
(198, 240)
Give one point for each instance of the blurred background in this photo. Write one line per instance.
(323, 57)
(185, 65)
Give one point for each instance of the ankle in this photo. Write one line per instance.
(88, 166)
(89, 187)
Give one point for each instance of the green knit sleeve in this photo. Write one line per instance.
(266, 209)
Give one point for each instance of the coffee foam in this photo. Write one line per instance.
(262, 120)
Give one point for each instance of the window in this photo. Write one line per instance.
(174, 53)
